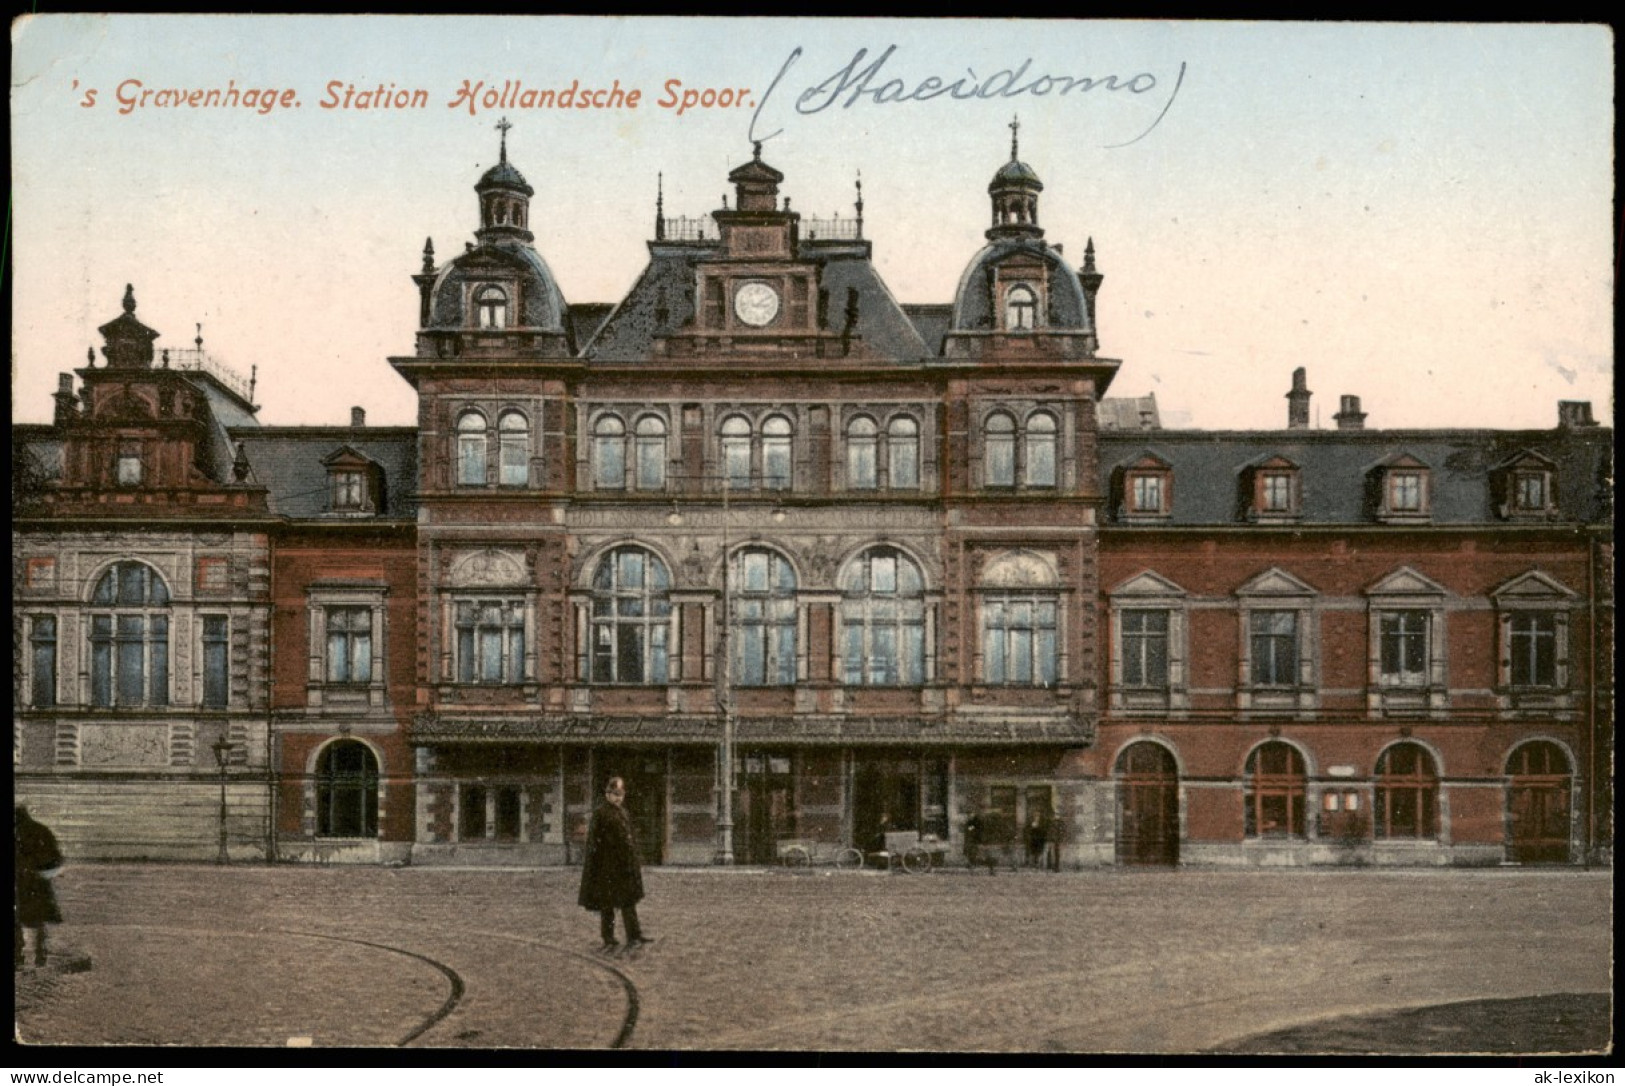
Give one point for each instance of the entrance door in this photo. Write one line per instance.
(1538, 804)
(885, 796)
(645, 776)
(764, 808)
(1147, 806)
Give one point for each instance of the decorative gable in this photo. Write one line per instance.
(1276, 582)
(1405, 581)
(1533, 587)
(1147, 585)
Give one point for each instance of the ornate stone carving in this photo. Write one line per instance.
(485, 568)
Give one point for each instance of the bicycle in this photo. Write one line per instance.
(798, 855)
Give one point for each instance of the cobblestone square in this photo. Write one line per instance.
(1108, 961)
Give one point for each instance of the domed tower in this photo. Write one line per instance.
(1014, 191)
(1018, 293)
(498, 298)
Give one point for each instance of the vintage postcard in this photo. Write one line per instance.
(812, 535)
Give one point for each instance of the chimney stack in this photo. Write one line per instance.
(1349, 416)
(66, 401)
(358, 417)
(1297, 407)
(1574, 413)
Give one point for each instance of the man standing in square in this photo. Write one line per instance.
(611, 872)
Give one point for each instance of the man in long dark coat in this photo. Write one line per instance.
(611, 872)
(38, 859)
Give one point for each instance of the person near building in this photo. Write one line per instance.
(611, 872)
(38, 859)
(1037, 834)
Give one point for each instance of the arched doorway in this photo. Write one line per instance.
(1538, 795)
(1147, 805)
(347, 791)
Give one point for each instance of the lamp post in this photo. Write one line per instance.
(222, 755)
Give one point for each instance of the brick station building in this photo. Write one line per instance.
(905, 561)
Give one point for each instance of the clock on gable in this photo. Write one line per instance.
(756, 303)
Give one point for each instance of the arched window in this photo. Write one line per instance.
(903, 453)
(471, 442)
(651, 453)
(883, 619)
(1020, 309)
(631, 618)
(736, 452)
(861, 443)
(347, 791)
(1275, 791)
(491, 306)
(764, 618)
(776, 453)
(609, 453)
(513, 448)
(129, 638)
(999, 450)
(1539, 803)
(1407, 793)
(1040, 466)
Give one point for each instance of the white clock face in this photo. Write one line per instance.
(756, 304)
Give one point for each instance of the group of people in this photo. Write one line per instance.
(991, 836)
(38, 859)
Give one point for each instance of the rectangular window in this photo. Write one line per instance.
(1529, 493)
(1145, 649)
(1001, 459)
(129, 661)
(349, 644)
(1406, 493)
(129, 469)
(860, 464)
(490, 641)
(1019, 641)
(42, 639)
(514, 452)
(1274, 648)
(903, 463)
(216, 674)
(1533, 649)
(736, 462)
(1146, 494)
(1276, 493)
(1404, 647)
(349, 490)
(509, 813)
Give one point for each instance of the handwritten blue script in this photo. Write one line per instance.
(856, 82)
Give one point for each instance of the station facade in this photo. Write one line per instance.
(895, 563)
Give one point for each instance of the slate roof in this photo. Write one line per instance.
(1129, 413)
(973, 303)
(666, 288)
(1336, 466)
(288, 462)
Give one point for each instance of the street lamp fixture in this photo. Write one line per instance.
(222, 748)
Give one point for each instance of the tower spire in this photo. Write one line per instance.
(660, 206)
(860, 205)
(1015, 130)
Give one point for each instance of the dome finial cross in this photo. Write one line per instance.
(503, 126)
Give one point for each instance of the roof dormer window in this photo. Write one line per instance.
(349, 491)
(1404, 490)
(1020, 309)
(1272, 491)
(1525, 487)
(491, 307)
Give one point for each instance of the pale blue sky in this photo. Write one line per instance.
(1419, 214)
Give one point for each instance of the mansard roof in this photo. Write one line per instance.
(1335, 465)
(291, 462)
(973, 301)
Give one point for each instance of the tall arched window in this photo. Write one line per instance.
(1407, 793)
(491, 306)
(609, 453)
(1040, 459)
(764, 618)
(1275, 791)
(1020, 309)
(631, 618)
(129, 638)
(471, 449)
(347, 791)
(1539, 803)
(861, 444)
(903, 453)
(513, 448)
(776, 453)
(651, 453)
(736, 452)
(999, 450)
(883, 619)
